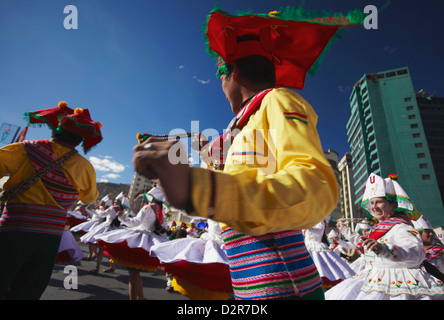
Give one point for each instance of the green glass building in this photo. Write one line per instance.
(386, 135)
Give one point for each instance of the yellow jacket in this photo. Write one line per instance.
(276, 176)
(80, 172)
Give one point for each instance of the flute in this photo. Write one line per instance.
(141, 137)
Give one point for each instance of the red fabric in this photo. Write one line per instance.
(293, 46)
(134, 256)
(158, 212)
(385, 226)
(63, 257)
(211, 276)
(73, 221)
(50, 116)
(82, 125)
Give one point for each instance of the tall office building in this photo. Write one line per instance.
(349, 209)
(386, 135)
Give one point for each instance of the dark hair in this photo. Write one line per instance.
(65, 135)
(258, 70)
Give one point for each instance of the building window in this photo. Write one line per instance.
(412, 116)
(403, 71)
(423, 165)
(414, 126)
(390, 74)
(409, 108)
(418, 145)
(421, 155)
(408, 99)
(425, 177)
(416, 135)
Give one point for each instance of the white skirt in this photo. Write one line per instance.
(90, 236)
(329, 263)
(69, 250)
(388, 284)
(86, 226)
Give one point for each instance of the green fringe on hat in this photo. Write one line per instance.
(355, 17)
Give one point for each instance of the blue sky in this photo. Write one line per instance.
(142, 66)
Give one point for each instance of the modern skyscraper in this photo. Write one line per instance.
(386, 135)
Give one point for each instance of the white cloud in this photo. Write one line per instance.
(111, 176)
(389, 49)
(344, 88)
(201, 81)
(181, 67)
(106, 164)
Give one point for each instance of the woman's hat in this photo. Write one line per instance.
(388, 188)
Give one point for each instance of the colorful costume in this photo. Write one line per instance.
(435, 250)
(275, 170)
(95, 219)
(32, 222)
(130, 246)
(394, 273)
(69, 250)
(110, 216)
(331, 267)
(199, 265)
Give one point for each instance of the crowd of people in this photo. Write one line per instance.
(265, 191)
(408, 263)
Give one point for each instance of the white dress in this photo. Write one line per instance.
(109, 214)
(69, 250)
(94, 220)
(199, 263)
(130, 245)
(394, 274)
(331, 267)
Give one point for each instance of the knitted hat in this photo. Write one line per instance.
(388, 188)
(76, 121)
(292, 39)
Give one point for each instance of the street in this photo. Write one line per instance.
(104, 286)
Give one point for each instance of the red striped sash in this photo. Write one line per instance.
(23, 217)
(40, 154)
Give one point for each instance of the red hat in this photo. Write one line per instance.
(293, 40)
(76, 121)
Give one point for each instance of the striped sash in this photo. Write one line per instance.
(40, 154)
(270, 266)
(23, 217)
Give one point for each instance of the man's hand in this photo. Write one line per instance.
(168, 162)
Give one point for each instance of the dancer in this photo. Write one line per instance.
(111, 222)
(131, 246)
(433, 247)
(331, 267)
(33, 221)
(393, 251)
(275, 171)
(199, 266)
(94, 220)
